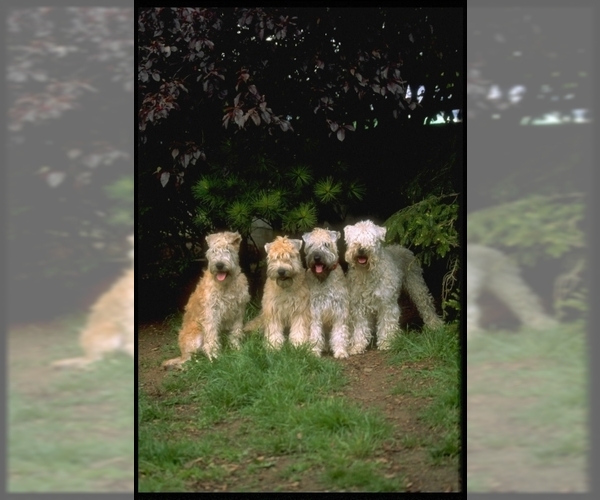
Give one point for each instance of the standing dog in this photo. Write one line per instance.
(376, 275)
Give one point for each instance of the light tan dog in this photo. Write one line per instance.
(110, 326)
(217, 304)
(286, 298)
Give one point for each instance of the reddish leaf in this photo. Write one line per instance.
(239, 118)
(174, 153)
(164, 178)
(265, 116)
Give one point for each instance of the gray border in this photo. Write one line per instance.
(592, 234)
(4, 7)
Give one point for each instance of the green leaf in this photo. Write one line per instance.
(300, 175)
(356, 190)
(301, 219)
(239, 216)
(268, 203)
(328, 190)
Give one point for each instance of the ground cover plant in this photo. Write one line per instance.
(258, 420)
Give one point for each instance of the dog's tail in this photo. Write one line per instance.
(414, 284)
(254, 324)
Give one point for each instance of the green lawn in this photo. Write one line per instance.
(255, 419)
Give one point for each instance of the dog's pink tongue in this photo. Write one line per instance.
(319, 268)
(221, 276)
(362, 260)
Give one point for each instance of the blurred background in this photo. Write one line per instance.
(530, 119)
(68, 196)
(69, 182)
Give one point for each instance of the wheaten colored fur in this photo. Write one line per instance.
(414, 284)
(329, 301)
(110, 326)
(286, 299)
(376, 275)
(218, 303)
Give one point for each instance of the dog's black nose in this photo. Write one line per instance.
(219, 265)
(281, 272)
(317, 258)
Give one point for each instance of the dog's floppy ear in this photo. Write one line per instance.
(381, 231)
(349, 231)
(267, 246)
(234, 239)
(297, 244)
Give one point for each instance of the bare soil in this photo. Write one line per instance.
(371, 379)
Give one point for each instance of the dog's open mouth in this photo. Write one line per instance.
(361, 260)
(221, 276)
(319, 268)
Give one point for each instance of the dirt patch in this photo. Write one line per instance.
(150, 340)
(371, 380)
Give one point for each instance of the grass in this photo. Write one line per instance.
(433, 369)
(256, 413)
(540, 379)
(68, 431)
